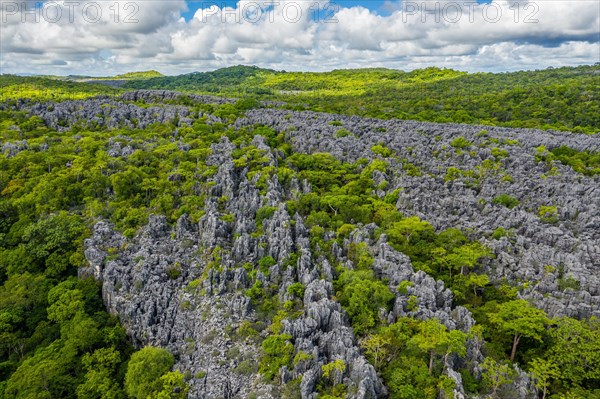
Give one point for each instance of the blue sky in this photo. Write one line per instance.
(175, 36)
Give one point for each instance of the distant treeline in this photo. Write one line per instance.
(562, 98)
(555, 98)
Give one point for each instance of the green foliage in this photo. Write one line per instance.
(559, 98)
(520, 319)
(453, 173)
(495, 375)
(544, 372)
(145, 371)
(433, 338)
(334, 370)
(506, 200)
(174, 271)
(343, 133)
(499, 153)
(42, 88)
(409, 379)
(478, 281)
(575, 349)
(403, 287)
(565, 283)
(302, 357)
(362, 296)
(101, 379)
(381, 150)
(408, 234)
(58, 341)
(360, 256)
(228, 217)
(277, 352)
(172, 386)
(548, 213)
(461, 143)
(405, 354)
(65, 302)
(499, 233)
(465, 257)
(236, 79)
(44, 375)
(376, 348)
(265, 263)
(584, 162)
(297, 290)
(139, 75)
(411, 170)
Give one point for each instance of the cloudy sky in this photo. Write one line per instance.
(103, 37)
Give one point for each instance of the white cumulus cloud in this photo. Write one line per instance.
(104, 38)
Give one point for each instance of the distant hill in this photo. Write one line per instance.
(140, 75)
(236, 79)
(555, 98)
(49, 88)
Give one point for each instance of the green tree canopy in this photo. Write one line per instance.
(520, 319)
(434, 338)
(144, 372)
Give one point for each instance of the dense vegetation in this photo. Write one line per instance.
(43, 88)
(58, 341)
(562, 98)
(234, 80)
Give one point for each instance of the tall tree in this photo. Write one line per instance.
(520, 319)
(575, 348)
(433, 338)
(544, 371)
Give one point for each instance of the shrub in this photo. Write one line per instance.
(277, 352)
(342, 133)
(506, 200)
(453, 173)
(344, 230)
(228, 217)
(330, 370)
(265, 263)
(174, 271)
(403, 287)
(568, 283)
(411, 169)
(499, 153)
(548, 214)
(381, 150)
(499, 233)
(296, 289)
(460, 142)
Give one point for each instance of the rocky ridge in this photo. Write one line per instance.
(570, 246)
(178, 286)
